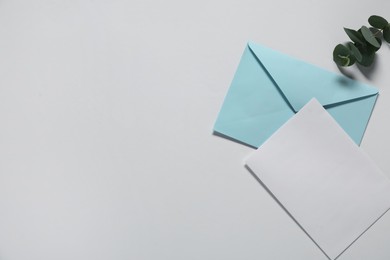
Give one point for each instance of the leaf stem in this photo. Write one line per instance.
(379, 31)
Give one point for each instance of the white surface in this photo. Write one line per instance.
(326, 182)
(91, 91)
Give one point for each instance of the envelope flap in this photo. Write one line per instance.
(300, 82)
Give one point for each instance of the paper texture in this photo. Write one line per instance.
(330, 187)
(270, 87)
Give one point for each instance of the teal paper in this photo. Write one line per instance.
(270, 87)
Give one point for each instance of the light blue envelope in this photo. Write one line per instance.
(270, 87)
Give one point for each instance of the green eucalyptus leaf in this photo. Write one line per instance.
(386, 34)
(372, 48)
(355, 51)
(341, 50)
(343, 56)
(368, 59)
(354, 35)
(367, 49)
(378, 36)
(369, 37)
(368, 55)
(380, 43)
(378, 21)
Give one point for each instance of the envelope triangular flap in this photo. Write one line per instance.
(253, 109)
(300, 81)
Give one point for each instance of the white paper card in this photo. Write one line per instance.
(332, 189)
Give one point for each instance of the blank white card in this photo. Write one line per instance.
(322, 178)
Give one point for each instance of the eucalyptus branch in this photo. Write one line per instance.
(364, 43)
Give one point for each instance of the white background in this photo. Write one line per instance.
(106, 112)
